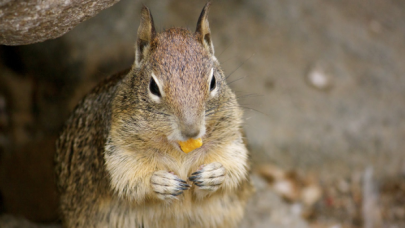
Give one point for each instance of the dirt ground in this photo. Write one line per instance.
(322, 83)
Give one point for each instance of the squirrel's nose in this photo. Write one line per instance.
(190, 132)
(192, 127)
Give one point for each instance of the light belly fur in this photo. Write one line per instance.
(218, 211)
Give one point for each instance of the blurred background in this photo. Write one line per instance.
(322, 83)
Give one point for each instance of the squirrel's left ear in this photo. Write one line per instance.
(203, 31)
(146, 33)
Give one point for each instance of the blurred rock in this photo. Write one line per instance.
(370, 201)
(318, 78)
(392, 200)
(291, 185)
(266, 209)
(26, 22)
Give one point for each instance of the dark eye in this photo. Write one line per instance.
(213, 83)
(153, 87)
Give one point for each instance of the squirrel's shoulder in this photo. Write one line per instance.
(110, 81)
(95, 106)
(100, 95)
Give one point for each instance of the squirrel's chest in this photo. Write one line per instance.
(181, 164)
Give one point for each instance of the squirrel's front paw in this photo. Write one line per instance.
(209, 177)
(167, 185)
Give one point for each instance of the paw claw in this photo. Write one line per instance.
(195, 173)
(210, 177)
(178, 179)
(185, 185)
(176, 194)
(167, 185)
(193, 178)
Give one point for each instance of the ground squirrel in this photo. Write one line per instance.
(118, 160)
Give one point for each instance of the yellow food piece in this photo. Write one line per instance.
(190, 145)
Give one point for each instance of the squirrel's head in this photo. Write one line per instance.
(176, 88)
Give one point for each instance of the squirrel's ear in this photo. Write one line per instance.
(203, 31)
(146, 33)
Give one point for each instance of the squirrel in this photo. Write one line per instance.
(118, 161)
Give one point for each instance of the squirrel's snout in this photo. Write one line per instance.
(190, 132)
(187, 127)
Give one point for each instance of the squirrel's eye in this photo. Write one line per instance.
(153, 87)
(213, 83)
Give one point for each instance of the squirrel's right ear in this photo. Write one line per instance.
(203, 31)
(146, 33)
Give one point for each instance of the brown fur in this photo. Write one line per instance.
(117, 141)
